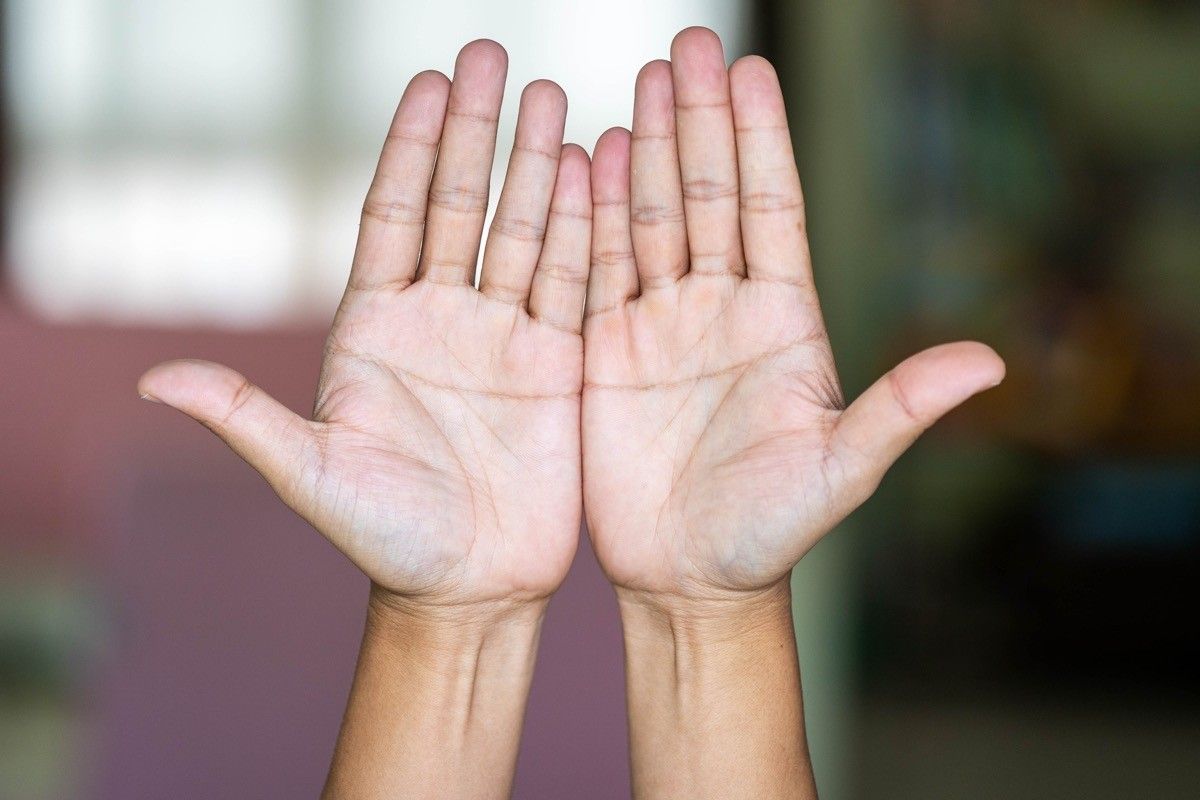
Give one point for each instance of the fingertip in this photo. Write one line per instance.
(610, 166)
(934, 381)
(989, 366)
(889, 416)
(477, 88)
(653, 72)
(615, 133)
(574, 165)
(698, 69)
(654, 100)
(180, 381)
(977, 365)
(424, 98)
(1000, 372)
(613, 145)
(429, 80)
(261, 430)
(157, 381)
(576, 153)
(695, 40)
(572, 188)
(754, 87)
(544, 91)
(753, 67)
(542, 117)
(145, 385)
(486, 53)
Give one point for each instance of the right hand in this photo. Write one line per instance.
(717, 447)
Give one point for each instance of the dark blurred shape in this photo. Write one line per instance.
(1038, 556)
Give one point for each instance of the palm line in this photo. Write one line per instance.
(674, 384)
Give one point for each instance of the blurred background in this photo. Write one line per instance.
(1013, 614)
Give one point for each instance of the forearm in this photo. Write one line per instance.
(437, 703)
(714, 698)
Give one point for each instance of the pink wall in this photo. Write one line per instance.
(235, 626)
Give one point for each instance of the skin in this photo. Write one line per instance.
(443, 455)
(694, 409)
(717, 448)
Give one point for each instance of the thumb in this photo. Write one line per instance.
(269, 436)
(889, 416)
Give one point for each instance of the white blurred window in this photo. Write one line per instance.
(184, 162)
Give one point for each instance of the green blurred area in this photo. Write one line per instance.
(1026, 174)
(52, 635)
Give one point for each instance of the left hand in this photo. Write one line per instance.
(443, 456)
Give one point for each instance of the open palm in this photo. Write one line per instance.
(717, 448)
(444, 456)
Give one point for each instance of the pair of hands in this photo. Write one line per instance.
(645, 343)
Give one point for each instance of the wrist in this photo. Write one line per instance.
(718, 640)
(438, 699)
(450, 620)
(718, 616)
(714, 693)
(442, 634)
